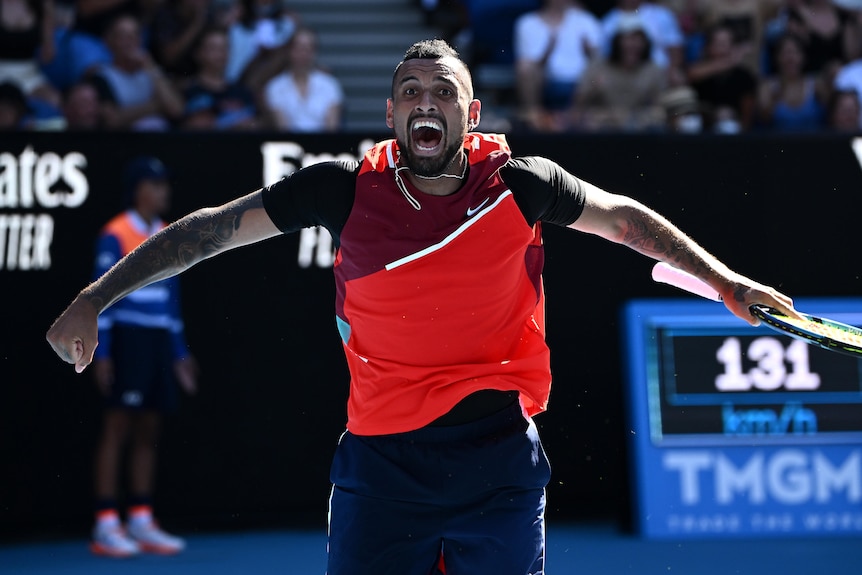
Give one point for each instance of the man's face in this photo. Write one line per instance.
(153, 196)
(430, 111)
(213, 51)
(124, 38)
(82, 107)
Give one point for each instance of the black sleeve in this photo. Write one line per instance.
(318, 195)
(543, 190)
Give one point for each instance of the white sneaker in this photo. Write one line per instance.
(150, 538)
(111, 540)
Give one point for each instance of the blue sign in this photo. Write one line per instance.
(741, 431)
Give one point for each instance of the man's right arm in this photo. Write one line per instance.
(197, 236)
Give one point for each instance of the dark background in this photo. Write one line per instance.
(253, 448)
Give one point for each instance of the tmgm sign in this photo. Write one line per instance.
(743, 491)
(736, 430)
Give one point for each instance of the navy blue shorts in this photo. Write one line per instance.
(143, 369)
(473, 492)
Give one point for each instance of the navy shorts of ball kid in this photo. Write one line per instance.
(474, 493)
(143, 369)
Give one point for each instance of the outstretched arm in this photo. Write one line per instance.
(197, 236)
(626, 221)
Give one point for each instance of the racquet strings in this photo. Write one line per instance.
(815, 328)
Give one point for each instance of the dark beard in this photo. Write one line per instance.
(429, 167)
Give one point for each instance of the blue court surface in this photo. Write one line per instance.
(593, 549)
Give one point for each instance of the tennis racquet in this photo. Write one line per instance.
(826, 333)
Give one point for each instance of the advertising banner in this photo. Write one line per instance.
(741, 431)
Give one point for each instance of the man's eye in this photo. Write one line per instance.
(446, 92)
(410, 91)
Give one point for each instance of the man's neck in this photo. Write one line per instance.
(146, 216)
(446, 183)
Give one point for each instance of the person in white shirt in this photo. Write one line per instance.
(553, 46)
(304, 98)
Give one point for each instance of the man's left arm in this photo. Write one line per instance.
(626, 221)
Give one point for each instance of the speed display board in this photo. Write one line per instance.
(738, 430)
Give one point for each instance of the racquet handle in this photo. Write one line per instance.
(666, 273)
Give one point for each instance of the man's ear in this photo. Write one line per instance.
(389, 123)
(474, 114)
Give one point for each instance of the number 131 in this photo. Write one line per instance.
(770, 371)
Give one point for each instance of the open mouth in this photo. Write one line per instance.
(427, 135)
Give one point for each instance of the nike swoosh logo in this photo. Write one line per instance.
(472, 211)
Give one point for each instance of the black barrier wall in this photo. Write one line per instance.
(254, 446)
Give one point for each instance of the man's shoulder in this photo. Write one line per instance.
(527, 172)
(528, 163)
(329, 175)
(330, 168)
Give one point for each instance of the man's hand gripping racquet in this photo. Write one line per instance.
(826, 333)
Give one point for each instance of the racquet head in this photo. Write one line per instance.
(828, 334)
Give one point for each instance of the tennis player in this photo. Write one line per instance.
(440, 309)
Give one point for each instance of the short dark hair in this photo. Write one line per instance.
(616, 53)
(432, 50)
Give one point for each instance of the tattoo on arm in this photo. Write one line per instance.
(174, 249)
(655, 239)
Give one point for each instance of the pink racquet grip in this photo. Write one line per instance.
(666, 273)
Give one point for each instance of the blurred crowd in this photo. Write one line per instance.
(152, 65)
(691, 66)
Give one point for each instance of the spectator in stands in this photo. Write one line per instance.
(177, 29)
(94, 17)
(553, 47)
(725, 86)
(26, 42)
(134, 91)
(662, 28)
(682, 110)
(791, 100)
(212, 101)
(13, 107)
(746, 19)
(832, 35)
(82, 109)
(82, 47)
(258, 38)
(622, 91)
(72, 49)
(304, 98)
(844, 111)
(849, 79)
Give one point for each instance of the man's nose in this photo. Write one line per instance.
(426, 102)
